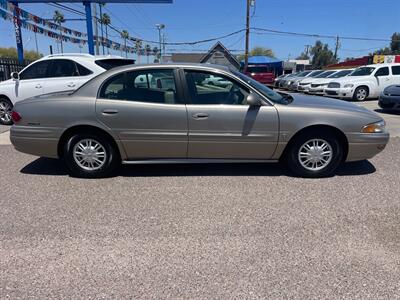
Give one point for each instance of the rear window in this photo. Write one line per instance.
(396, 70)
(111, 63)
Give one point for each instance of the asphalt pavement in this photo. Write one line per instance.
(199, 231)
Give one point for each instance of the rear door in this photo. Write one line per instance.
(221, 123)
(65, 75)
(145, 109)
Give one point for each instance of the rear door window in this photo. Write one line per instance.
(396, 70)
(63, 68)
(382, 72)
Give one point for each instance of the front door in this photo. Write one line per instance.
(222, 125)
(32, 80)
(145, 111)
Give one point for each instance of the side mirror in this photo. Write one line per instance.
(15, 76)
(254, 100)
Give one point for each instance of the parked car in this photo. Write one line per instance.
(53, 73)
(111, 119)
(364, 82)
(319, 85)
(261, 73)
(295, 82)
(305, 84)
(217, 81)
(282, 81)
(278, 79)
(390, 97)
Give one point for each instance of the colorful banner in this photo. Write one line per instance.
(37, 20)
(55, 35)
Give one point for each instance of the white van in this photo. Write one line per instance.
(365, 82)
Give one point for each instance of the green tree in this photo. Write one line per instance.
(138, 48)
(12, 53)
(106, 21)
(125, 36)
(258, 51)
(322, 56)
(58, 18)
(392, 49)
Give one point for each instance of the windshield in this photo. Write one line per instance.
(340, 74)
(304, 73)
(325, 74)
(363, 71)
(315, 74)
(263, 89)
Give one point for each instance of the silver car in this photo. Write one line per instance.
(169, 114)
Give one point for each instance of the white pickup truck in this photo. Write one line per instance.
(365, 82)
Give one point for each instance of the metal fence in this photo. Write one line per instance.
(9, 65)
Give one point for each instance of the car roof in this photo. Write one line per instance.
(81, 56)
(382, 65)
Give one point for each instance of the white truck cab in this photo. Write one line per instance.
(364, 82)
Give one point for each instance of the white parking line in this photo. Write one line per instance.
(5, 138)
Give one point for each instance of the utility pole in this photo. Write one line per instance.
(337, 45)
(307, 49)
(96, 28)
(160, 27)
(101, 27)
(246, 52)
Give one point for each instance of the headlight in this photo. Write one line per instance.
(349, 85)
(377, 127)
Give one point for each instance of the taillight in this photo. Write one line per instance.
(16, 117)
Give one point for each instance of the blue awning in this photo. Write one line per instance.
(262, 60)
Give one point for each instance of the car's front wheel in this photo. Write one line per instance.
(361, 93)
(5, 111)
(315, 155)
(90, 156)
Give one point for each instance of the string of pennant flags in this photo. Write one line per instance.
(32, 23)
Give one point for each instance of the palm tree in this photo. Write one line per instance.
(138, 48)
(59, 18)
(147, 50)
(125, 36)
(101, 5)
(156, 52)
(106, 20)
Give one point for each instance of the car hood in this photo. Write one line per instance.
(350, 79)
(311, 102)
(323, 80)
(6, 82)
(309, 80)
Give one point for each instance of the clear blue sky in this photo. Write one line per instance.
(189, 20)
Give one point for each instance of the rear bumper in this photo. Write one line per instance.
(365, 146)
(34, 141)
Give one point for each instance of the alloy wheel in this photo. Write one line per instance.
(5, 111)
(89, 154)
(315, 154)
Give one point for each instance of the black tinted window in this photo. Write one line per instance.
(82, 70)
(382, 72)
(37, 70)
(396, 70)
(108, 64)
(207, 88)
(63, 68)
(155, 86)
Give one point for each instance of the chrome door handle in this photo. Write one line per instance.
(38, 86)
(200, 116)
(109, 111)
(71, 84)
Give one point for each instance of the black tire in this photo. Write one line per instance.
(109, 166)
(295, 165)
(5, 120)
(361, 93)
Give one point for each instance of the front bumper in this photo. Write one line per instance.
(365, 145)
(303, 88)
(389, 102)
(345, 93)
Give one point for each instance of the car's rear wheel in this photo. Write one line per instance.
(5, 111)
(315, 155)
(361, 93)
(90, 156)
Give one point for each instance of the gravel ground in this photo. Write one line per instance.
(200, 231)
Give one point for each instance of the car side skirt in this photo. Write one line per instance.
(195, 161)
